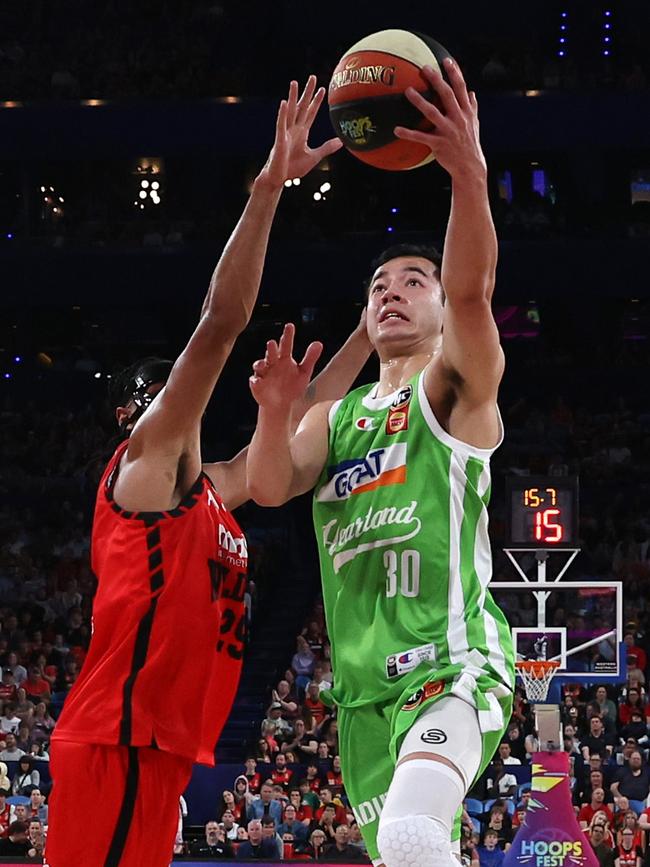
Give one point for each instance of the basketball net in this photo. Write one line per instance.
(536, 675)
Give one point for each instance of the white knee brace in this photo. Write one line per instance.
(414, 841)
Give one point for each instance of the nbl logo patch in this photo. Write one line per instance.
(430, 690)
(398, 413)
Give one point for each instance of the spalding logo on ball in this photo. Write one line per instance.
(366, 97)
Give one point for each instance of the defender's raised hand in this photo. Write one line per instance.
(291, 156)
(278, 379)
(454, 141)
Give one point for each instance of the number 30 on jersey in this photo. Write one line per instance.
(402, 573)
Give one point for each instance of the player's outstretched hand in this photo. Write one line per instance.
(291, 156)
(454, 140)
(278, 379)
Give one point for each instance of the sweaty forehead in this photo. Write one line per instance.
(405, 265)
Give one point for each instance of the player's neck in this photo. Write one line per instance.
(395, 369)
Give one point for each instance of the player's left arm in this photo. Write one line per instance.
(471, 353)
(332, 383)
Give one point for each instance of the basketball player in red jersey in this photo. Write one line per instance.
(168, 616)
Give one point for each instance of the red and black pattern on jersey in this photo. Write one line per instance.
(169, 625)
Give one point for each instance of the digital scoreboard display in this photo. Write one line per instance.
(542, 511)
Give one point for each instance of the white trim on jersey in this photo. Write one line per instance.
(440, 433)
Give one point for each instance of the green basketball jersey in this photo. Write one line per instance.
(401, 519)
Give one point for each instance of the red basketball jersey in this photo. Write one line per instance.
(168, 625)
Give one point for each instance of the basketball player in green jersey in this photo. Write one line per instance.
(422, 656)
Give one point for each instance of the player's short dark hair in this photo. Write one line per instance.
(267, 821)
(424, 251)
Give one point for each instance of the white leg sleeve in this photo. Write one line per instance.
(424, 795)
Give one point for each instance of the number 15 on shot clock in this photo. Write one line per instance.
(542, 511)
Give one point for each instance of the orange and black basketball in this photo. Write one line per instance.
(367, 101)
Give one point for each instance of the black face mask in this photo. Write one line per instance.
(136, 389)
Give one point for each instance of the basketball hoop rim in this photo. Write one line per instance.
(538, 668)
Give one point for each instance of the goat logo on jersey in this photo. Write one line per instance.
(379, 468)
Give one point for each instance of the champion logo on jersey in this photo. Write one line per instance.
(379, 468)
(366, 423)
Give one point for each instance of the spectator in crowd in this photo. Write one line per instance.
(334, 777)
(312, 777)
(8, 690)
(626, 853)
(16, 842)
(19, 671)
(500, 784)
(489, 853)
(243, 798)
(631, 823)
(330, 734)
(327, 821)
(635, 655)
(317, 842)
(226, 802)
(26, 778)
(36, 687)
(327, 799)
(24, 707)
(229, 825)
(505, 754)
(281, 775)
(595, 780)
(214, 844)
(275, 725)
(605, 704)
(304, 809)
(305, 746)
(269, 730)
(252, 775)
(287, 698)
(22, 813)
(340, 851)
(263, 752)
(42, 723)
(597, 836)
(632, 781)
(37, 808)
(636, 731)
(11, 753)
(291, 825)
(269, 833)
(356, 838)
(303, 662)
(497, 822)
(313, 703)
(596, 741)
(264, 805)
(9, 722)
(256, 847)
(515, 738)
(35, 838)
(596, 805)
(6, 813)
(322, 676)
(633, 701)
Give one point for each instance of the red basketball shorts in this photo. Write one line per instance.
(113, 806)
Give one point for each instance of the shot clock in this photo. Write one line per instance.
(542, 511)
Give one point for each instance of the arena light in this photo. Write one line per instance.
(296, 182)
(317, 196)
(287, 183)
(11, 103)
(394, 210)
(98, 375)
(93, 102)
(155, 185)
(326, 187)
(142, 194)
(144, 184)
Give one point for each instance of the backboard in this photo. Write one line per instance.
(576, 623)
